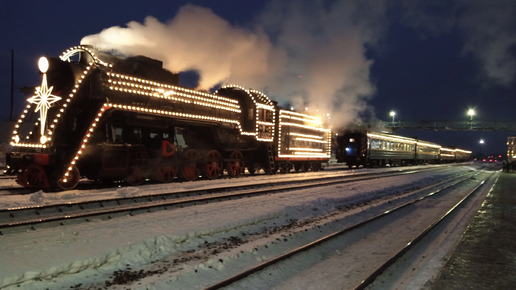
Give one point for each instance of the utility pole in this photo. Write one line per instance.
(12, 83)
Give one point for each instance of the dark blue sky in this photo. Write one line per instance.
(424, 61)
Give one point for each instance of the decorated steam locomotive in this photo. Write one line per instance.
(108, 119)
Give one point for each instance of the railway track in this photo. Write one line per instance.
(84, 184)
(14, 220)
(281, 261)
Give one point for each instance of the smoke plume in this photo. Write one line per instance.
(313, 54)
(309, 55)
(196, 39)
(327, 71)
(486, 27)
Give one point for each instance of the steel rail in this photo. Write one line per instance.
(324, 239)
(146, 203)
(370, 279)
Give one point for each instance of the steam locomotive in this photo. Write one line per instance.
(357, 147)
(108, 119)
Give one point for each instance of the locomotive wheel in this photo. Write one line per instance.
(236, 164)
(213, 164)
(71, 180)
(315, 167)
(167, 169)
(190, 168)
(136, 176)
(33, 176)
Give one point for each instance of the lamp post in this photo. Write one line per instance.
(471, 113)
(392, 114)
(481, 142)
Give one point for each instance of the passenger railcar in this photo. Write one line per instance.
(359, 148)
(452, 155)
(109, 119)
(462, 155)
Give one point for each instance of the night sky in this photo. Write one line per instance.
(356, 60)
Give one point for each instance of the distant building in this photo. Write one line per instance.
(511, 148)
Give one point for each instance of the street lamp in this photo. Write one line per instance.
(481, 142)
(471, 113)
(392, 114)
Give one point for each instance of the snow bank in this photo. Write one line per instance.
(41, 197)
(135, 253)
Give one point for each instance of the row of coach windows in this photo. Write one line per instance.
(428, 150)
(390, 145)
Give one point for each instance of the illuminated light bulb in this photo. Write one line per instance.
(43, 64)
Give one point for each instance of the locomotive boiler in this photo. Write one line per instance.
(105, 118)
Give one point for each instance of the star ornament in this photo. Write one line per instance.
(43, 99)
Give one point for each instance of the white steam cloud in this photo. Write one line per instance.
(196, 39)
(317, 60)
(313, 53)
(488, 29)
(327, 70)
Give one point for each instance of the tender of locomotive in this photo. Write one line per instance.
(359, 148)
(109, 119)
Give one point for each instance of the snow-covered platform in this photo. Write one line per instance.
(485, 258)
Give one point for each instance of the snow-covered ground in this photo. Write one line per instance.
(164, 246)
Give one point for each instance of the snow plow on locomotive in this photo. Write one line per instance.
(109, 119)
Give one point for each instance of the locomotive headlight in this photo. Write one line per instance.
(17, 139)
(43, 139)
(43, 64)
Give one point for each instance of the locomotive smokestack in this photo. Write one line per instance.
(84, 57)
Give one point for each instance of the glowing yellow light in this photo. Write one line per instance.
(43, 99)
(43, 64)
(310, 140)
(306, 135)
(305, 149)
(390, 138)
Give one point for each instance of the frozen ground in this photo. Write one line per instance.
(81, 255)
